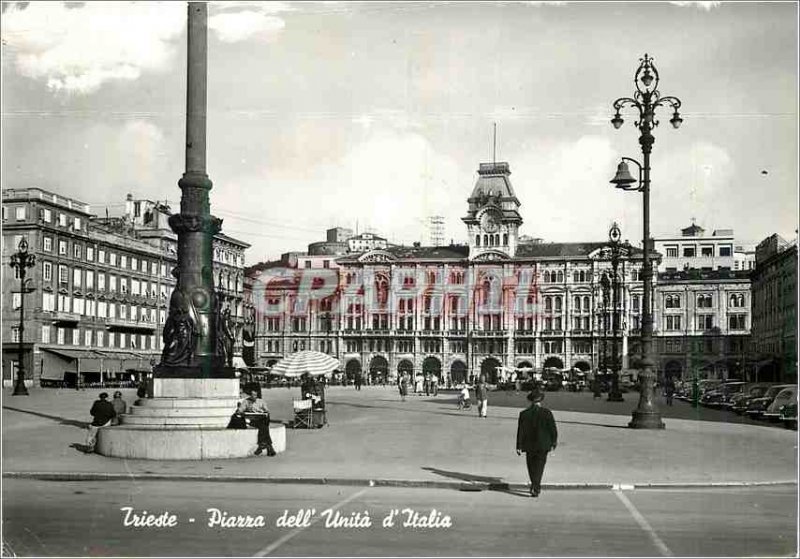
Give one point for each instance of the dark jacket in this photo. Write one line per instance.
(102, 411)
(480, 391)
(536, 431)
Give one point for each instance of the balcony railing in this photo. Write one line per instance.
(487, 333)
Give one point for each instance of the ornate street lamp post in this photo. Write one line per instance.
(645, 100)
(21, 260)
(614, 235)
(605, 285)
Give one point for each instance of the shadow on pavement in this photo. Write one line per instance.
(593, 424)
(62, 420)
(493, 483)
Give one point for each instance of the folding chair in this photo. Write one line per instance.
(303, 414)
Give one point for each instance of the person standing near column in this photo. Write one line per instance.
(482, 395)
(537, 435)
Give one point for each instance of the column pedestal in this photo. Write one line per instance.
(185, 420)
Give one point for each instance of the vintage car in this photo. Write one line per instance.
(786, 396)
(758, 406)
(739, 402)
(722, 394)
(788, 415)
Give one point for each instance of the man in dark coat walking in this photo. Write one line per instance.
(536, 436)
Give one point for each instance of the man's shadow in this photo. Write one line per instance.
(61, 420)
(472, 481)
(593, 424)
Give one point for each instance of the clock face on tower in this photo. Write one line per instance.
(489, 222)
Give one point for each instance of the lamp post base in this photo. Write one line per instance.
(615, 397)
(646, 420)
(20, 390)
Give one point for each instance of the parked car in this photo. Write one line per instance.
(721, 395)
(739, 402)
(786, 396)
(758, 406)
(788, 415)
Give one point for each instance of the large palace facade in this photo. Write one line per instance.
(497, 304)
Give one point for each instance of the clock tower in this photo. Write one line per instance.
(493, 218)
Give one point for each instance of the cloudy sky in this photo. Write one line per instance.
(376, 115)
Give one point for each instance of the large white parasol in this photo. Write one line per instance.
(314, 363)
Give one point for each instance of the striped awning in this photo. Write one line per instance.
(312, 362)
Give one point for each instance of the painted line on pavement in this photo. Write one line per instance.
(644, 524)
(283, 539)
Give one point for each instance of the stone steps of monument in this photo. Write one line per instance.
(180, 412)
(183, 443)
(155, 403)
(176, 420)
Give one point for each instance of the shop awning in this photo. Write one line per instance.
(76, 353)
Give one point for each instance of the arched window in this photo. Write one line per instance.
(497, 240)
(491, 240)
(576, 277)
(558, 302)
(477, 240)
(505, 239)
(486, 240)
(577, 303)
(586, 307)
(548, 304)
(560, 278)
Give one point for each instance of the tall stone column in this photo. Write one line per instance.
(194, 390)
(195, 335)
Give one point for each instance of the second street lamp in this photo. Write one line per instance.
(21, 261)
(645, 100)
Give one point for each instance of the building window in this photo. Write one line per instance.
(671, 301)
(45, 334)
(672, 252)
(77, 224)
(705, 321)
(688, 252)
(87, 338)
(736, 322)
(60, 333)
(123, 261)
(707, 252)
(673, 323)
(704, 301)
(112, 258)
(16, 301)
(47, 271)
(725, 251)
(308, 263)
(76, 278)
(62, 248)
(90, 254)
(47, 244)
(100, 338)
(20, 213)
(62, 220)
(63, 276)
(48, 302)
(636, 301)
(76, 336)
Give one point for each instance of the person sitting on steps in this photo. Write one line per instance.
(255, 410)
